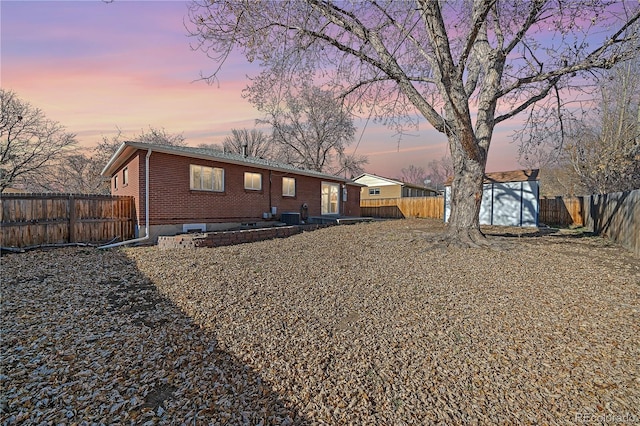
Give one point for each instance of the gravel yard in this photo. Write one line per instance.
(362, 324)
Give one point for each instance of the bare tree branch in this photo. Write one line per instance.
(30, 143)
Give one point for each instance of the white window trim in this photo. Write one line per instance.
(288, 194)
(192, 166)
(326, 203)
(374, 191)
(252, 188)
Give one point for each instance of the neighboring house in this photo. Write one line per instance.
(508, 198)
(382, 187)
(202, 189)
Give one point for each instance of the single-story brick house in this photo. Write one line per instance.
(381, 187)
(202, 189)
(508, 198)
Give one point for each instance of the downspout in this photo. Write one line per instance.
(270, 211)
(146, 209)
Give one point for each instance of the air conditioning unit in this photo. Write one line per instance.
(290, 218)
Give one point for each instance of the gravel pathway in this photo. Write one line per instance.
(362, 324)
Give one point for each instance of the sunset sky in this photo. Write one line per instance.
(96, 67)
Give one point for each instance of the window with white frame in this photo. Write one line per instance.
(288, 187)
(252, 181)
(374, 191)
(125, 176)
(115, 182)
(205, 178)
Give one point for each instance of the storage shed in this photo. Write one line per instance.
(508, 199)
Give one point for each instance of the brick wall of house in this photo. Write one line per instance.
(134, 187)
(307, 191)
(171, 201)
(352, 205)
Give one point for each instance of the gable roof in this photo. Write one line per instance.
(127, 149)
(389, 181)
(510, 176)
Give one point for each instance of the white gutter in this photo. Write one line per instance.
(146, 209)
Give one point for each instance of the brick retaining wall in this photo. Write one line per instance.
(228, 238)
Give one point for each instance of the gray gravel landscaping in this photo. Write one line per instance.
(372, 323)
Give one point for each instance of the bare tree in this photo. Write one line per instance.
(414, 174)
(75, 173)
(349, 165)
(438, 171)
(159, 136)
(256, 142)
(310, 128)
(604, 148)
(105, 149)
(30, 143)
(211, 146)
(599, 148)
(79, 171)
(559, 179)
(464, 66)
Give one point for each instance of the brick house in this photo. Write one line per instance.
(197, 188)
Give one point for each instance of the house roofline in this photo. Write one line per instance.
(115, 161)
(396, 182)
(128, 148)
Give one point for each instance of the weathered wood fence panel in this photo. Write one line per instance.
(34, 219)
(562, 211)
(616, 216)
(553, 211)
(398, 208)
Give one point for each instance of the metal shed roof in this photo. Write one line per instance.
(510, 176)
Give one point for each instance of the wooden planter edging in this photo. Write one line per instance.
(228, 238)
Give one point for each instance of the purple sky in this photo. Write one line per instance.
(94, 67)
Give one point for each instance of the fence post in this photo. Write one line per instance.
(72, 218)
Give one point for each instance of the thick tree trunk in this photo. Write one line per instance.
(466, 197)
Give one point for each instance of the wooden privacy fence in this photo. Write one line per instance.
(615, 216)
(398, 208)
(36, 219)
(553, 211)
(562, 211)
